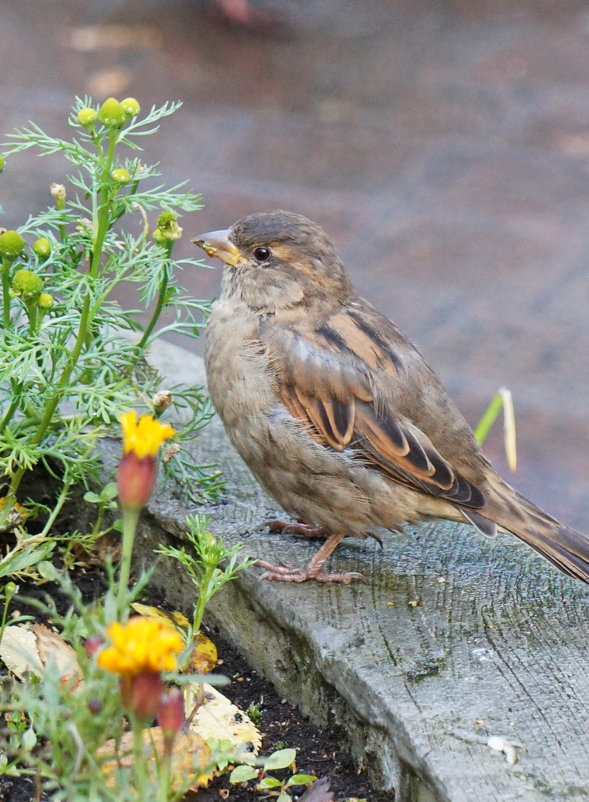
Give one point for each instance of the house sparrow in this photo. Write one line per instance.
(336, 413)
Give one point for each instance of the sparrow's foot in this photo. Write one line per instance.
(296, 528)
(289, 573)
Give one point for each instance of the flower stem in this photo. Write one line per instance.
(103, 207)
(6, 262)
(160, 300)
(130, 519)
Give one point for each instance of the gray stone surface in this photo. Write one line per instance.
(453, 640)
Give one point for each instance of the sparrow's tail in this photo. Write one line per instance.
(562, 545)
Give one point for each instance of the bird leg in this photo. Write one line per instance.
(298, 528)
(289, 573)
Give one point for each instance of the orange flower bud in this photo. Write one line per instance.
(142, 693)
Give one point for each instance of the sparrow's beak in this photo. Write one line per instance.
(217, 243)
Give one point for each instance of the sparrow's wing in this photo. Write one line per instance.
(326, 380)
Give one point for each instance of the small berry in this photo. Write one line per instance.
(121, 176)
(42, 247)
(11, 243)
(87, 117)
(112, 114)
(130, 106)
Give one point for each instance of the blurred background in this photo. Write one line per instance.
(443, 143)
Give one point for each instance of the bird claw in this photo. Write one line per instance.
(296, 528)
(288, 573)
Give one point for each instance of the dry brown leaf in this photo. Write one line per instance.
(54, 650)
(191, 758)
(318, 792)
(19, 651)
(28, 650)
(219, 718)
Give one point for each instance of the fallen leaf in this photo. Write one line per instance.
(219, 718)
(174, 618)
(190, 758)
(318, 792)
(18, 650)
(204, 654)
(52, 649)
(29, 650)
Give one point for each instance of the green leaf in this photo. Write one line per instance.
(302, 779)
(242, 774)
(92, 498)
(268, 782)
(14, 562)
(280, 759)
(284, 798)
(48, 571)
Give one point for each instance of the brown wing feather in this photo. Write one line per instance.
(333, 399)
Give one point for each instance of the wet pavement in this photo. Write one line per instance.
(445, 146)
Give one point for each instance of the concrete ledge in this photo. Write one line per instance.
(455, 640)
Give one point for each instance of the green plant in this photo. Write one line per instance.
(71, 356)
(269, 784)
(203, 563)
(254, 711)
(501, 401)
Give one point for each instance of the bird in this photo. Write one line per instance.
(336, 413)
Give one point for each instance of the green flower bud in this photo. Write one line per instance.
(2, 163)
(11, 243)
(112, 114)
(10, 589)
(166, 218)
(87, 117)
(130, 107)
(27, 285)
(158, 237)
(121, 176)
(42, 247)
(45, 301)
(168, 228)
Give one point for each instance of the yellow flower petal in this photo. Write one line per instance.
(141, 645)
(144, 436)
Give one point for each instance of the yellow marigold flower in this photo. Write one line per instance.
(142, 645)
(144, 436)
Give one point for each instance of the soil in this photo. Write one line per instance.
(318, 750)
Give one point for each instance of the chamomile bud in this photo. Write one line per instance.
(45, 301)
(11, 243)
(112, 114)
(121, 176)
(42, 247)
(58, 194)
(87, 117)
(130, 106)
(27, 285)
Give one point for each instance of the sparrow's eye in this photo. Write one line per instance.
(262, 254)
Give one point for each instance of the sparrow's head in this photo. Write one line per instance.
(277, 260)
